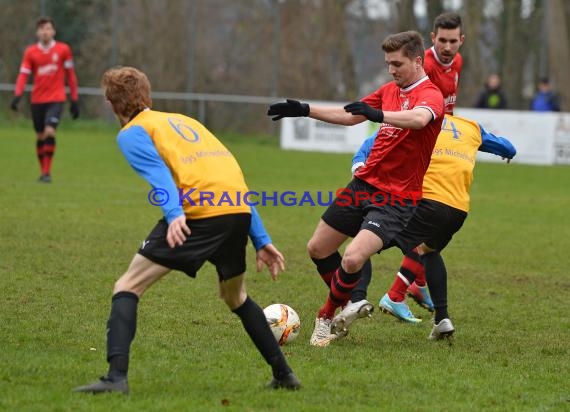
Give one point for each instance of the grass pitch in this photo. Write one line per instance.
(63, 245)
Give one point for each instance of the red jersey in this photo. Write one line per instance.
(444, 76)
(49, 65)
(400, 157)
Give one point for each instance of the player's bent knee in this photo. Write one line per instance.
(315, 251)
(352, 262)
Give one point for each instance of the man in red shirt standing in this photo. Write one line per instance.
(443, 62)
(50, 62)
(376, 205)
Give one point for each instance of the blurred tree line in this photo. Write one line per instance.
(309, 49)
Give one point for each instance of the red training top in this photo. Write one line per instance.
(444, 76)
(400, 157)
(49, 65)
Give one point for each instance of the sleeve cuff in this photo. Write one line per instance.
(173, 214)
(356, 166)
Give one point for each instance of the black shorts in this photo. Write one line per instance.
(433, 223)
(384, 214)
(46, 114)
(221, 240)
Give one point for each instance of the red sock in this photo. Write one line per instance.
(342, 284)
(328, 310)
(328, 266)
(49, 151)
(397, 292)
(40, 154)
(412, 263)
(327, 277)
(421, 276)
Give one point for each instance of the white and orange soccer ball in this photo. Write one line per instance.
(283, 321)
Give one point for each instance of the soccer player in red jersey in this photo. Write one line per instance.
(50, 62)
(376, 205)
(442, 61)
(442, 64)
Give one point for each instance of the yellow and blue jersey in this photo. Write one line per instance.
(450, 172)
(178, 155)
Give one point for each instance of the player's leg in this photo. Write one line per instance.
(230, 264)
(38, 118)
(52, 117)
(323, 250)
(418, 289)
(121, 326)
(233, 292)
(365, 244)
(360, 292)
(427, 219)
(437, 276)
(358, 307)
(393, 302)
(340, 221)
(449, 221)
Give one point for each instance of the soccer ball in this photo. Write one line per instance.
(283, 321)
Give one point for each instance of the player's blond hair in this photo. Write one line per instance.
(127, 89)
(410, 42)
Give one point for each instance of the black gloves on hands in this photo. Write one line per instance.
(74, 110)
(292, 108)
(363, 109)
(15, 102)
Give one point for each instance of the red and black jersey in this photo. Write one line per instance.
(400, 157)
(50, 66)
(444, 76)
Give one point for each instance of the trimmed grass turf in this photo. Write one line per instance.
(63, 245)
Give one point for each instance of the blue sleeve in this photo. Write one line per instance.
(140, 152)
(359, 158)
(257, 232)
(500, 146)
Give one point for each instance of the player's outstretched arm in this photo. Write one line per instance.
(295, 108)
(500, 146)
(291, 108)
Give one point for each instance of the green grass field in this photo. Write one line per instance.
(63, 245)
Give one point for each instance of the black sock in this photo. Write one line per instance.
(360, 291)
(436, 276)
(255, 324)
(121, 328)
(40, 150)
(327, 266)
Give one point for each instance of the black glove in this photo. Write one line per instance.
(15, 102)
(292, 108)
(363, 109)
(74, 110)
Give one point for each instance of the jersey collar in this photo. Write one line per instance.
(46, 48)
(414, 84)
(439, 61)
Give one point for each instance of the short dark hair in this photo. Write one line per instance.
(411, 42)
(44, 20)
(448, 20)
(544, 80)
